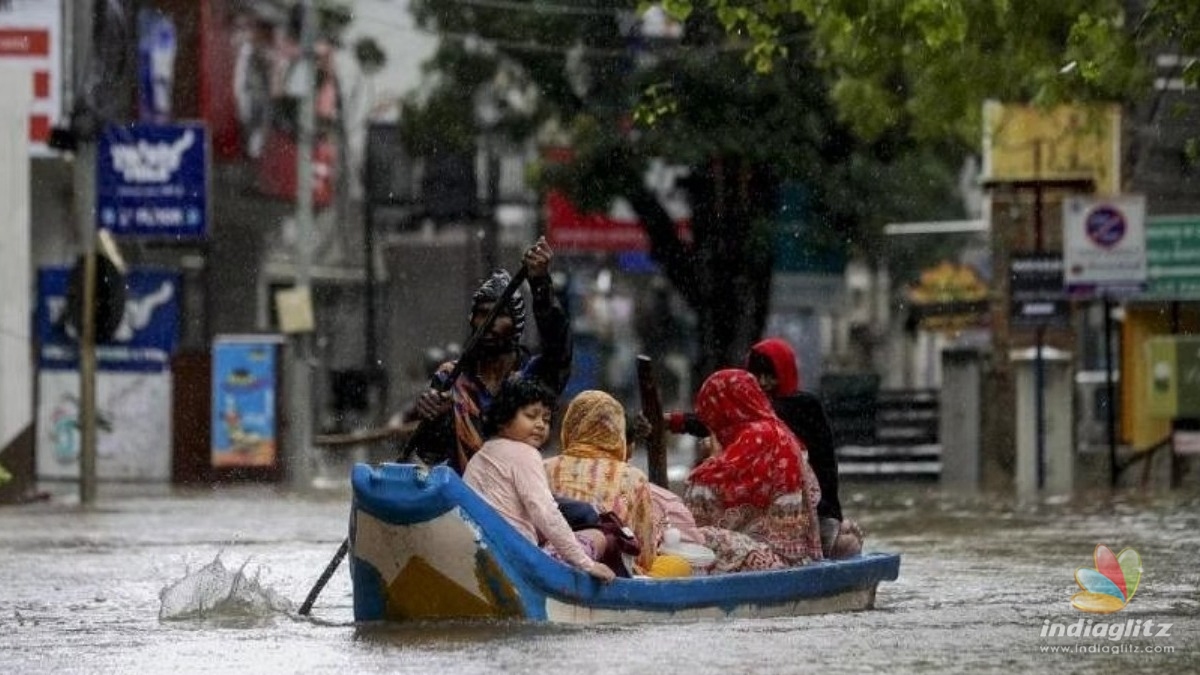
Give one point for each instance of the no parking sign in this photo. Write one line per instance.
(1104, 245)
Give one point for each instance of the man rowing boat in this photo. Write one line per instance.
(450, 415)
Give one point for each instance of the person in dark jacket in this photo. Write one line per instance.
(450, 428)
(773, 363)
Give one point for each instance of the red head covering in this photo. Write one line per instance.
(783, 360)
(760, 457)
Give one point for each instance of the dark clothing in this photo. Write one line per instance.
(804, 414)
(455, 436)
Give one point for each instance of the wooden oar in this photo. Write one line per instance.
(656, 444)
(443, 386)
(354, 438)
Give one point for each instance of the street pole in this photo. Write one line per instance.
(300, 370)
(78, 18)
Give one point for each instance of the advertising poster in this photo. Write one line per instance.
(133, 425)
(133, 380)
(244, 428)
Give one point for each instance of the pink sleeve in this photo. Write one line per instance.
(534, 489)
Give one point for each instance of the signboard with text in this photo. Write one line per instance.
(152, 180)
(1104, 245)
(1172, 258)
(145, 338)
(1036, 293)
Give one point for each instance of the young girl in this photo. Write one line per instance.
(507, 472)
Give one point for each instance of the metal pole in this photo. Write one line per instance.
(1039, 365)
(1110, 391)
(300, 381)
(79, 18)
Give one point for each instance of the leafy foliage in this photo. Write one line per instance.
(928, 64)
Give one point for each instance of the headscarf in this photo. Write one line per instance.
(592, 467)
(594, 426)
(491, 290)
(761, 458)
(779, 356)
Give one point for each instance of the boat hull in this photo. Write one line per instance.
(423, 545)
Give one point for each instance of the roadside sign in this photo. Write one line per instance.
(1104, 245)
(1173, 258)
(1036, 296)
(1173, 362)
(152, 180)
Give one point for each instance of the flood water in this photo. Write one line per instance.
(81, 591)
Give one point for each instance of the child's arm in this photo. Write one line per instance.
(534, 491)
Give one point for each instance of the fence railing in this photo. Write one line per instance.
(883, 433)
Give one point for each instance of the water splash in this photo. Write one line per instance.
(217, 593)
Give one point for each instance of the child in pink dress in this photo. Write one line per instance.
(508, 473)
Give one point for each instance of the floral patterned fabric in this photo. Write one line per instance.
(760, 485)
(592, 468)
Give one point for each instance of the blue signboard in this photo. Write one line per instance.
(243, 401)
(151, 180)
(144, 340)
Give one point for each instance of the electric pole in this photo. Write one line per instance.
(299, 385)
(78, 20)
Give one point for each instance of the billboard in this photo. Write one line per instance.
(143, 341)
(1022, 142)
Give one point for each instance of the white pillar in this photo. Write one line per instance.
(16, 278)
(1057, 402)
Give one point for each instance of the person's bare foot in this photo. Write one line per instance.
(849, 541)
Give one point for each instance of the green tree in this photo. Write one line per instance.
(927, 65)
(621, 100)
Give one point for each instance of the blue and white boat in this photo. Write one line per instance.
(424, 545)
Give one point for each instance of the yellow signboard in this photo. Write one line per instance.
(1022, 142)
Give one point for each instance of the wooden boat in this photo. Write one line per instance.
(424, 545)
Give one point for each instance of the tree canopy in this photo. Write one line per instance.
(926, 65)
(620, 97)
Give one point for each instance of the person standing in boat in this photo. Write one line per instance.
(756, 499)
(507, 472)
(773, 364)
(450, 427)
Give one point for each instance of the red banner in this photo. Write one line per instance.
(570, 230)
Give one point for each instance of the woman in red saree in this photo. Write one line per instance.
(755, 501)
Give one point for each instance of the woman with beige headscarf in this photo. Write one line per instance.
(593, 467)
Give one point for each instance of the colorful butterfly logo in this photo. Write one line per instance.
(1109, 586)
